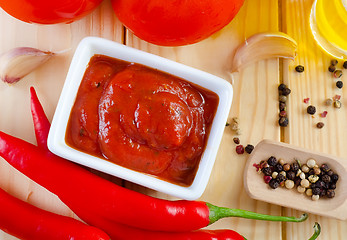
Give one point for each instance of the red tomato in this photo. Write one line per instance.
(175, 22)
(49, 11)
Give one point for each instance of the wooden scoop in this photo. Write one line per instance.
(256, 187)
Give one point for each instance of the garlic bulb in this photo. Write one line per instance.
(18, 62)
(262, 46)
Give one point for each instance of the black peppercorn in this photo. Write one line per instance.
(337, 73)
(316, 191)
(334, 62)
(278, 167)
(325, 167)
(286, 91)
(332, 186)
(272, 161)
(297, 181)
(267, 171)
(283, 121)
(274, 183)
(299, 68)
(281, 87)
(334, 178)
(320, 184)
(295, 166)
(320, 125)
(236, 140)
(280, 178)
(323, 192)
(330, 193)
(249, 148)
(339, 84)
(332, 68)
(345, 65)
(330, 173)
(290, 175)
(311, 109)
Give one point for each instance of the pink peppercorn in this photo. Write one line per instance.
(267, 179)
(324, 114)
(306, 100)
(240, 149)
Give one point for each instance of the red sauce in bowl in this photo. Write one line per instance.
(142, 119)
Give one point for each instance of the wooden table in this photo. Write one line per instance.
(254, 103)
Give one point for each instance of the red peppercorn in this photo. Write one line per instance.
(240, 149)
(267, 179)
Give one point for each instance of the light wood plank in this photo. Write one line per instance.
(254, 102)
(317, 84)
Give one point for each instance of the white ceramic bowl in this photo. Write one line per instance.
(91, 46)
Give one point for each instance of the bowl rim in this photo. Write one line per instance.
(90, 46)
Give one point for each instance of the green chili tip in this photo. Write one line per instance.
(317, 230)
(217, 213)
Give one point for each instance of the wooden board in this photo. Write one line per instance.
(255, 103)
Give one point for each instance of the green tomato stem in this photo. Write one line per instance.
(217, 213)
(317, 230)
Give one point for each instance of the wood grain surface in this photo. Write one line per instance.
(255, 103)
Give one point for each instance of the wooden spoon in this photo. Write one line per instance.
(256, 187)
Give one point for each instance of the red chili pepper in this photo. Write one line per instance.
(41, 122)
(85, 192)
(28, 222)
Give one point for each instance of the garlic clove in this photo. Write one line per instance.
(262, 46)
(18, 62)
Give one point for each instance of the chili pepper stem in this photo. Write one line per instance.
(316, 233)
(217, 213)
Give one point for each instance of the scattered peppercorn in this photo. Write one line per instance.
(323, 114)
(345, 65)
(332, 68)
(283, 114)
(286, 91)
(227, 124)
(249, 148)
(339, 84)
(337, 104)
(337, 73)
(282, 98)
(299, 68)
(282, 106)
(236, 140)
(240, 149)
(283, 121)
(334, 62)
(320, 125)
(328, 101)
(281, 87)
(311, 109)
(306, 100)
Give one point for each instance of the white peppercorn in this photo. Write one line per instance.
(305, 168)
(315, 197)
(316, 170)
(313, 178)
(281, 161)
(309, 192)
(274, 174)
(301, 189)
(302, 175)
(311, 163)
(289, 184)
(283, 173)
(305, 183)
(298, 172)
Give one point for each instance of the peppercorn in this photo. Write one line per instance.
(323, 192)
(325, 168)
(345, 65)
(286, 167)
(249, 148)
(282, 106)
(299, 68)
(297, 181)
(280, 178)
(337, 104)
(282, 98)
(315, 197)
(337, 73)
(316, 191)
(332, 68)
(320, 125)
(328, 101)
(289, 184)
(334, 62)
(267, 171)
(295, 166)
(282, 114)
(320, 184)
(290, 175)
(286, 91)
(274, 183)
(236, 140)
(326, 178)
(332, 185)
(272, 161)
(311, 109)
(316, 170)
(330, 173)
(311, 163)
(339, 84)
(267, 179)
(330, 193)
(281, 87)
(227, 124)
(283, 121)
(334, 177)
(240, 149)
(278, 167)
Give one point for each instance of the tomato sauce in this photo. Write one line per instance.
(142, 119)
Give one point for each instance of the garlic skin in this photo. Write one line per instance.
(18, 62)
(262, 46)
